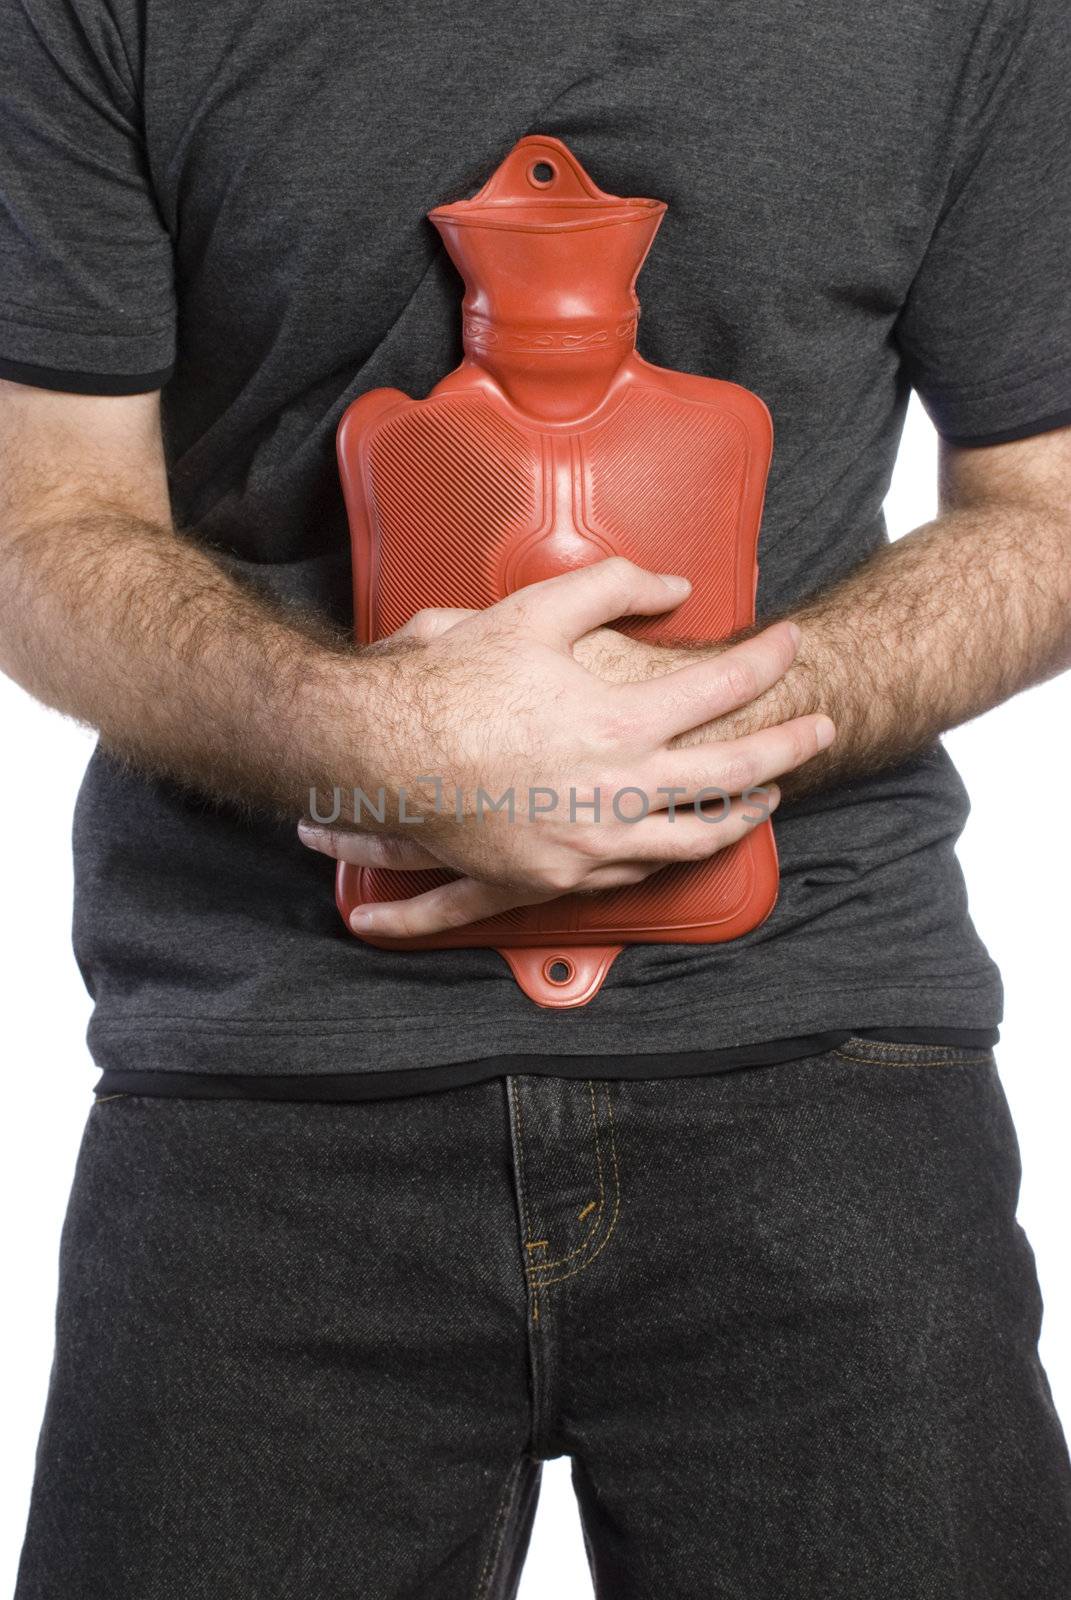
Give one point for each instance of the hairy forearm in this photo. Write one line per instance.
(138, 632)
(929, 632)
(122, 623)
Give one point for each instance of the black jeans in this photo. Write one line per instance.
(782, 1319)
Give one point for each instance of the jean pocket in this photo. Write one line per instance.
(891, 1053)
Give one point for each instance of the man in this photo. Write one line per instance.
(357, 1237)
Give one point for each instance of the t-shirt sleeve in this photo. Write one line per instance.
(985, 333)
(86, 264)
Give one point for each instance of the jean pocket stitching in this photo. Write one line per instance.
(890, 1053)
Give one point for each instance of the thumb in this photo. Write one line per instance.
(431, 622)
(561, 609)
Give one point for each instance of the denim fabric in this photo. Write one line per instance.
(783, 1321)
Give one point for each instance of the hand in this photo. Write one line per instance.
(607, 652)
(497, 702)
(616, 657)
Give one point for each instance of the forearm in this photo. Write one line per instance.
(136, 631)
(929, 632)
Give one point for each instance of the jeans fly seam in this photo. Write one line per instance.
(522, 1197)
(522, 1184)
(516, 1108)
(593, 1227)
(604, 1241)
(538, 1354)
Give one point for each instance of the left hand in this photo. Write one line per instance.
(609, 654)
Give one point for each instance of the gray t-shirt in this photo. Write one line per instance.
(229, 200)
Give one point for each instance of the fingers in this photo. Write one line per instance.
(734, 765)
(656, 826)
(560, 609)
(365, 849)
(653, 844)
(451, 905)
(714, 684)
(672, 779)
(694, 835)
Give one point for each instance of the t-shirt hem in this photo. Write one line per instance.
(1021, 430)
(996, 411)
(67, 346)
(373, 1046)
(70, 381)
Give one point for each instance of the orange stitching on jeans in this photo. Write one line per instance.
(591, 1206)
(585, 1243)
(613, 1220)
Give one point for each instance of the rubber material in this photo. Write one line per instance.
(552, 445)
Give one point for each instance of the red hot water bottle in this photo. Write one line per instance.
(552, 445)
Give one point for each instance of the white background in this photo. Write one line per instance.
(1015, 852)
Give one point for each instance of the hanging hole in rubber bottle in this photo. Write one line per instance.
(558, 970)
(542, 174)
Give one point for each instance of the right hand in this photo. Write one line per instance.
(498, 703)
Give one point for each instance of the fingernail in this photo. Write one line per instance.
(361, 920)
(794, 634)
(311, 834)
(678, 584)
(773, 796)
(825, 731)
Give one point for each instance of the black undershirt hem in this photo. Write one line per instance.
(1024, 430)
(355, 1086)
(71, 382)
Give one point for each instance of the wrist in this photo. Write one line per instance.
(327, 727)
(616, 657)
(360, 733)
